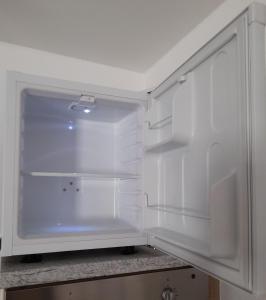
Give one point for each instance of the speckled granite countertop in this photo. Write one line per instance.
(83, 265)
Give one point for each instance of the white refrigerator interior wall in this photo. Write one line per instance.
(76, 163)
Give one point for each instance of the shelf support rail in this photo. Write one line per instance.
(159, 124)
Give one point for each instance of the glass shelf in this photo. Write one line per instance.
(90, 175)
(164, 146)
(188, 212)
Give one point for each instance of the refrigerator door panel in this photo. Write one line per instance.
(197, 191)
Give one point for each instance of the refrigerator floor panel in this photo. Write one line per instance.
(76, 227)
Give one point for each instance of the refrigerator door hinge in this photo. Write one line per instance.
(149, 101)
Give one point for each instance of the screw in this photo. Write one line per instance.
(77, 190)
(64, 189)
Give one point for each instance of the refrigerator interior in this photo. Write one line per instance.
(80, 166)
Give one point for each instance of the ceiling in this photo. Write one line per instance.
(130, 34)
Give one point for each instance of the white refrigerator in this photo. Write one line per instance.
(180, 168)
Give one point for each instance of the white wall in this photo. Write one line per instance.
(27, 60)
(197, 38)
(36, 62)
